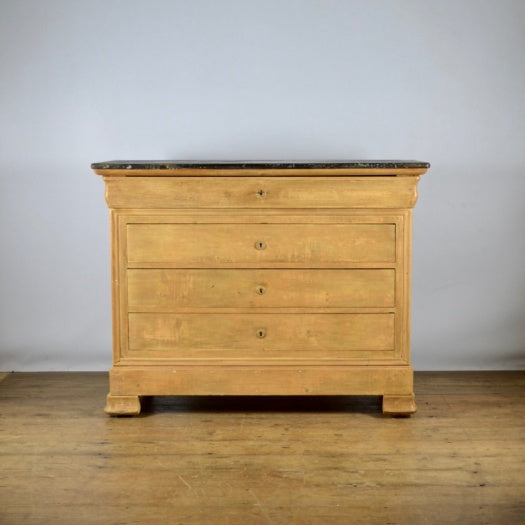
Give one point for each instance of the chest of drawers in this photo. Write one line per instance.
(261, 278)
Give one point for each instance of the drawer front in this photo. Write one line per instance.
(213, 245)
(260, 335)
(261, 192)
(168, 289)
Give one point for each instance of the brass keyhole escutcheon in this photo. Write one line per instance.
(261, 193)
(260, 290)
(260, 245)
(261, 333)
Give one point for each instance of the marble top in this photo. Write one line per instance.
(256, 164)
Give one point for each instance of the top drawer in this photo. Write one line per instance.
(261, 192)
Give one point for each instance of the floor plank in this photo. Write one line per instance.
(248, 460)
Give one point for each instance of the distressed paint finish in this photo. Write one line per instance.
(250, 192)
(263, 278)
(166, 290)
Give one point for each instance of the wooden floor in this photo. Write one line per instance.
(250, 461)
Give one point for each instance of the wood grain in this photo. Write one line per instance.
(169, 290)
(187, 245)
(260, 380)
(261, 192)
(266, 460)
(260, 281)
(249, 335)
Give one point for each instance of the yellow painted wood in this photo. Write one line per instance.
(253, 215)
(261, 192)
(260, 335)
(169, 290)
(260, 380)
(399, 405)
(352, 359)
(122, 405)
(227, 280)
(214, 244)
(118, 299)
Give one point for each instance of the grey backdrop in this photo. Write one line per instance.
(85, 81)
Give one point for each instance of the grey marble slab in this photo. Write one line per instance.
(256, 164)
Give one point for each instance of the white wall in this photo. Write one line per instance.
(85, 81)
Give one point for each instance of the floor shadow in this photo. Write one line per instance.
(369, 405)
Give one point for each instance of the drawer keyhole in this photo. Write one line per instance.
(260, 245)
(261, 193)
(261, 333)
(261, 290)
